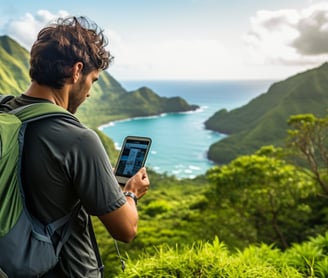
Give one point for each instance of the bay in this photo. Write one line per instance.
(180, 141)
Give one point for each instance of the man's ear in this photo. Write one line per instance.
(76, 71)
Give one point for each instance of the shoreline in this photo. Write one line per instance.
(111, 123)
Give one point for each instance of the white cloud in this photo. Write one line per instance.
(168, 58)
(136, 59)
(313, 31)
(289, 37)
(25, 29)
(296, 38)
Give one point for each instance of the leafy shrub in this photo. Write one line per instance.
(211, 260)
(157, 207)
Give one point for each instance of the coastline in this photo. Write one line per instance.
(111, 123)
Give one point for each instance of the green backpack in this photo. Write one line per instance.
(26, 246)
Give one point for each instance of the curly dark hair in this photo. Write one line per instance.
(62, 44)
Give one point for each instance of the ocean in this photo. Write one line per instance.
(180, 141)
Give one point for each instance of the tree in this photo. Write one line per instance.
(266, 193)
(309, 137)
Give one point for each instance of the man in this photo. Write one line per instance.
(65, 162)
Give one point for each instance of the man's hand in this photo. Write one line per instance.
(138, 184)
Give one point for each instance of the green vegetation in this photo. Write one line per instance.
(258, 216)
(13, 67)
(260, 192)
(263, 121)
(169, 214)
(213, 259)
(309, 135)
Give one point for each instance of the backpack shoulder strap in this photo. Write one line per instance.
(37, 111)
(5, 98)
(3, 102)
(34, 111)
(68, 219)
(95, 247)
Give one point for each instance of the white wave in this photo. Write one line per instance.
(175, 172)
(192, 167)
(149, 117)
(106, 125)
(112, 123)
(201, 109)
(117, 146)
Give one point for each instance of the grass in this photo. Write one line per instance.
(204, 259)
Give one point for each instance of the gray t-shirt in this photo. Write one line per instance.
(64, 162)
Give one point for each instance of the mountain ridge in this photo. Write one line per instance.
(263, 120)
(109, 100)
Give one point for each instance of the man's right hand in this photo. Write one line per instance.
(138, 184)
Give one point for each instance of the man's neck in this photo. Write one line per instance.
(58, 97)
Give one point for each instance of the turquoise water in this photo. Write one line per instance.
(180, 141)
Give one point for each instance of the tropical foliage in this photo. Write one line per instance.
(261, 215)
(213, 259)
(266, 195)
(309, 135)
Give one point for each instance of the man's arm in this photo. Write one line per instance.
(122, 223)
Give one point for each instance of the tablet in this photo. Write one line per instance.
(132, 157)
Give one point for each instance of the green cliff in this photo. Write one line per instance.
(263, 121)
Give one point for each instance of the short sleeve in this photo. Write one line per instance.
(92, 175)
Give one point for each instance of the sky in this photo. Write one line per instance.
(190, 39)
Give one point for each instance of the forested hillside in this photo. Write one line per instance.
(263, 121)
(108, 101)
